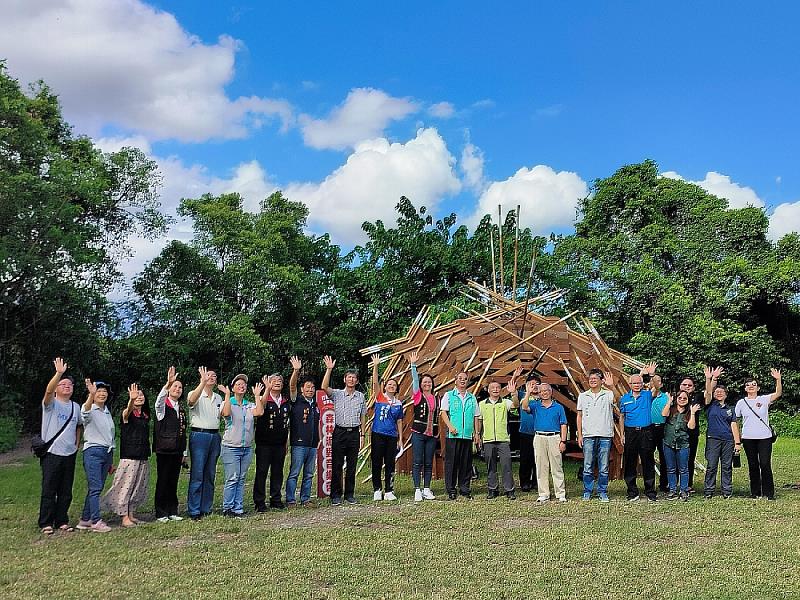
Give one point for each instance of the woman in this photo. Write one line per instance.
(753, 409)
(680, 418)
(722, 436)
(129, 488)
(387, 432)
(169, 442)
(98, 453)
(425, 430)
(237, 442)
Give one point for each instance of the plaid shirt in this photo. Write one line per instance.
(348, 410)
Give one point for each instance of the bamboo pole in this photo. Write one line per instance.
(500, 243)
(516, 255)
(483, 376)
(491, 250)
(528, 291)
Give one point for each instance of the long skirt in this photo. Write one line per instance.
(129, 489)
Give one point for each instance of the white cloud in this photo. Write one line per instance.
(442, 110)
(720, 185)
(364, 114)
(548, 199)
(472, 166)
(129, 65)
(369, 185)
(785, 219)
(115, 144)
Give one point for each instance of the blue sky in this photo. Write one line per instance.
(459, 105)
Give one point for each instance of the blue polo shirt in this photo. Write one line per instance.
(526, 419)
(659, 402)
(637, 410)
(387, 413)
(719, 421)
(548, 419)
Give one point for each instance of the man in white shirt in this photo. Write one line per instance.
(595, 426)
(204, 444)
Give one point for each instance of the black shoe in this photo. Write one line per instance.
(511, 495)
(467, 495)
(526, 488)
(227, 513)
(350, 499)
(195, 517)
(451, 495)
(492, 494)
(652, 498)
(708, 496)
(262, 508)
(336, 501)
(277, 504)
(726, 496)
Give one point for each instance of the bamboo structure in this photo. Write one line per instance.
(489, 346)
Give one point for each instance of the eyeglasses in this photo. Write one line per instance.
(751, 384)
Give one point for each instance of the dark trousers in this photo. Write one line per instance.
(168, 469)
(384, 451)
(458, 465)
(269, 459)
(694, 439)
(639, 447)
(58, 473)
(759, 464)
(345, 446)
(719, 453)
(658, 442)
(527, 461)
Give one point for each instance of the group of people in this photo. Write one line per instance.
(267, 416)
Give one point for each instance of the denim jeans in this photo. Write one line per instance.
(97, 460)
(305, 458)
(677, 460)
(204, 449)
(422, 446)
(236, 461)
(596, 449)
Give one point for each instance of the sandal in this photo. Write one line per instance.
(47, 530)
(66, 528)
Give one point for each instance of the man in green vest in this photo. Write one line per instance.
(496, 439)
(460, 415)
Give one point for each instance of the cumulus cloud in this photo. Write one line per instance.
(785, 219)
(472, 167)
(369, 185)
(442, 110)
(132, 66)
(364, 114)
(720, 185)
(548, 199)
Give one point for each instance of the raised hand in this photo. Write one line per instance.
(257, 390)
(203, 375)
(295, 362)
(267, 379)
(530, 386)
(776, 374)
(90, 386)
(669, 399)
(412, 358)
(650, 368)
(224, 389)
(608, 379)
(707, 372)
(329, 362)
(694, 408)
(717, 372)
(60, 365)
(172, 375)
(133, 391)
(376, 359)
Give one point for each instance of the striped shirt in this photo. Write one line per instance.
(348, 410)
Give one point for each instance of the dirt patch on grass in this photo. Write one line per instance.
(356, 516)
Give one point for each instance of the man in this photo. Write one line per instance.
(460, 414)
(493, 424)
(303, 435)
(695, 397)
(659, 402)
(527, 459)
(550, 441)
(349, 408)
(271, 434)
(722, 436)
(637, 427)
(595, 426)
(204, 444)
(61, 428)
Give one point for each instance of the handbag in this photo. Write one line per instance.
(39, 447)
(771, 428)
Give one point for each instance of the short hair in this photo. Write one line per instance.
(351, 371)
(545, 386)
(534, 377)
(70, 377)
(277, 375)
(597, 372)
(306, 380)
(750, 380)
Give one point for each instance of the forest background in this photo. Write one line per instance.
(665, 270)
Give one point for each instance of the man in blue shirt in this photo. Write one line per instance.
(527, 459)
(659, 402)
(635, 418)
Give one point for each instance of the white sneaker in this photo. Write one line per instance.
(163, 519)
(418, 495)
(562, 499)
(378, 495)
(428, 494)
(542, 499)
(175, 518)
(83, 525)
(389, 496)
(101, 527)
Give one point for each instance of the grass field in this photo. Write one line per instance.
(739, 548)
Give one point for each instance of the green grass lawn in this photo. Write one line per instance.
(739, 548)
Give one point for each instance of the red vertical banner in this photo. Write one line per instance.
(325, 452)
